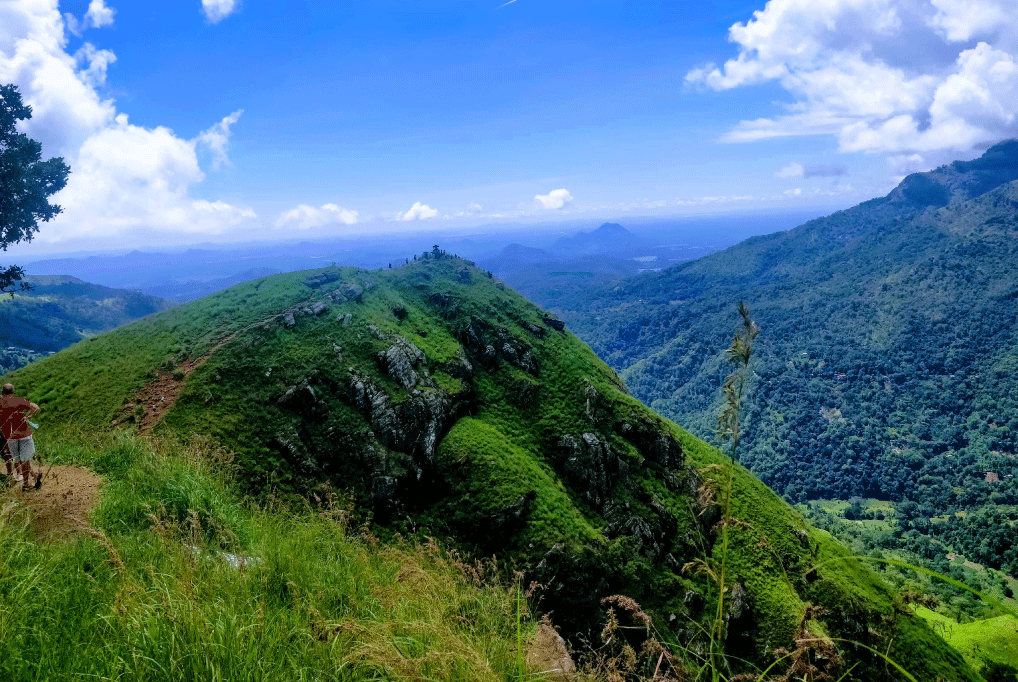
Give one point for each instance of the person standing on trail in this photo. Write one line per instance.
(15, 428)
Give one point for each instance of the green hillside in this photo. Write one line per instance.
(58, 311)
(887, 364)
(451, 407)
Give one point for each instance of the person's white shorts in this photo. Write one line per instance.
(21, 449)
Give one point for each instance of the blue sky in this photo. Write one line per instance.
(228, 120)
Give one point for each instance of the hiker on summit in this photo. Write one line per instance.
(15, 428)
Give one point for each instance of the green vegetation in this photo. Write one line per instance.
(178, 578)
(887, 366)
(59, 311)
(470, 417)
(981, 642)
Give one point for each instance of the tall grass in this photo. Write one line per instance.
(175, 578)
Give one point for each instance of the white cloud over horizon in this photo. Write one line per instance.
(123, 177)
(896, 77)
(418, 211)
(555, 199)
(305, 217)
(217, 10)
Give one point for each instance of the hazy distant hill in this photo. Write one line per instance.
(608, 238)
(449, 406)
(61, 310)
(888, 361)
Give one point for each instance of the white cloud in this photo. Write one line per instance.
(555, 199)
(884, 76)
(96, 62)
(418, 211)
(124, 178)
(792, 170)
(97, 16)
(217, 138)
(217, 10)
(305, 217)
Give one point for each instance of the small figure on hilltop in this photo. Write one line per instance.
(18, 433)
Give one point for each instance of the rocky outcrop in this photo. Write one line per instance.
(590, 467)
(557, 325)
(412, 426)
(491, 345)
(400, 361)
(302, 399)
(653, 442)
(321, 279)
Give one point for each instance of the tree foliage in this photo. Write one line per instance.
(26, 181)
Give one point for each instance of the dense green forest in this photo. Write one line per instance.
(888, 362)
(58, 311)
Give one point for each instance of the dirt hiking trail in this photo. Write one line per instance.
(58, 509)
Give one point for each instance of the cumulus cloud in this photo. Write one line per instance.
(883, 76)
(305, 217)
(419, 211)
(555, 199)
(216, 138)
(96, 16)
(217, 10)
(95, 63)
(124, 178)
(792, 170)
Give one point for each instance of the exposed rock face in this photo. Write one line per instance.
(323, 278)
(400, 360)
(549, 654)
(412, 426)
(653, 442)
(492, 344)
(558, 325)
(301, 398)
(590, 466)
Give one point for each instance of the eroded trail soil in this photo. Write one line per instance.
(59, 508)
(157, 396)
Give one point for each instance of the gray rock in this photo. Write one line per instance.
(373, 330)
(558, 325)
(319, 308)
(590, 467)
(353, 292)
(411, 426)
(534, 329)
(289, 321)
(400, 360)
(347, 319)
(738, 602)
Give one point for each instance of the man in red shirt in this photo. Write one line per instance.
(15, 428)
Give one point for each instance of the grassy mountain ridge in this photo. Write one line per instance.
(449, 405)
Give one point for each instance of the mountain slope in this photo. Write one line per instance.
(886, 366)
(61, 310)
(449, 405)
